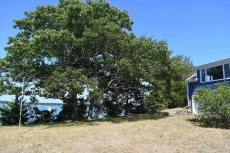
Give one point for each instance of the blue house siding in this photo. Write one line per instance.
(192, 87)
(212, 72)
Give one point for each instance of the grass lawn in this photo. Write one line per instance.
(138, 133)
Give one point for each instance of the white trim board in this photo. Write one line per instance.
(212, 64)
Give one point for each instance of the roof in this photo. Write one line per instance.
(212, 64)
(191, 79)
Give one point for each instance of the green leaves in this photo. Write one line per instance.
(65, 81)
(9, 113)
(181, 68)
(155, 101)
(78, 45)
(214, 105)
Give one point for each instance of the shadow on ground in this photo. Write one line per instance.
(115, 120)
(195, 122)
(209, 124)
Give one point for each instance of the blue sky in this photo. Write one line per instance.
(196, 28)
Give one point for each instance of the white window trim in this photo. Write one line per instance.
(205, 70)
(229, 70)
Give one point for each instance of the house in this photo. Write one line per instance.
(206, 75)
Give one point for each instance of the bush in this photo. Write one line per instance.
(214, 105)
(65, 113)
(9, 113)
(47, 116)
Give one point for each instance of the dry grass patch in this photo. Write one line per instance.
(139, 133)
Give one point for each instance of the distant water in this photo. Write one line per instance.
(48, 107)
(44, 107)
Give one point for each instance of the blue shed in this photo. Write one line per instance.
(207, 75)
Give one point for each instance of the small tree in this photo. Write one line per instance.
(214, 105)
(155, 101)
(181, 68)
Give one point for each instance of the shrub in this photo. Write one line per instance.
(214, 105)
(41, 116)
(9, 113)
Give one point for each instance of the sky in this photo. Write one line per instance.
(199, 29)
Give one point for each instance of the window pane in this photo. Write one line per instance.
(226, 70)
(215, 73)
(203, 75)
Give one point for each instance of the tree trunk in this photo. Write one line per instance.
(75, 107)
(126, 105)
(90, 114)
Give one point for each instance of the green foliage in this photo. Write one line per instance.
(155, 101)
(37, 116)
(67, 81)
(47, 116)
(181, 68)
(62, 47)
(10, 112)
(178, 95)
(214, 105)
(65, 113)
(63, 50)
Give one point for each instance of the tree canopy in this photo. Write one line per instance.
(181, 68)
(75, 46)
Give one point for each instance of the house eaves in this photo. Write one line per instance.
(213, 64)
(191, 79)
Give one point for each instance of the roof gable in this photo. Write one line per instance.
(192, 78)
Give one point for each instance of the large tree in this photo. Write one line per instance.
(78, 45)
(52, 41)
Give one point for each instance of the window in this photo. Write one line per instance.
(227, 70)
(203, 75)
(215, 73)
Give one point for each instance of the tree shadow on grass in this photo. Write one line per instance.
(135, 117)
(115, 120)
(195, 122)
(205, 124)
